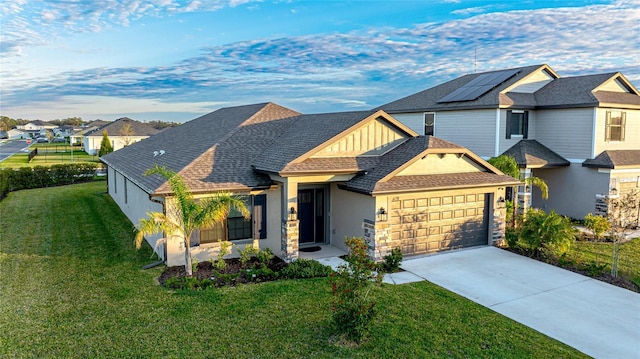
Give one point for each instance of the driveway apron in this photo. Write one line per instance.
(594, 317)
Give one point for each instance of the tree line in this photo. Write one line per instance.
(8, 123)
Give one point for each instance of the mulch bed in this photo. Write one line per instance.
(603, 276)
(229, 276)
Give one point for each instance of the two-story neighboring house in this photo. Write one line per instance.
(581, 134)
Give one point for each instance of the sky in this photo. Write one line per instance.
(175, 60)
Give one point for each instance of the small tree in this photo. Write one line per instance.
(353, 310)
(598, 225)
(622, 212)
(105, 145)
(186, 214)
(126, 132)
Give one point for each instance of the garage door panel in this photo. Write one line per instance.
(448, 222)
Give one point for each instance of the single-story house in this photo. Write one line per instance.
(121, 132)
(316, 179)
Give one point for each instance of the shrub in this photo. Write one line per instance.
(597, 224)
(41, 176)
(511, 237)
(392, 261)
(305, 268)
(225, 248)
(546, 232)
(352, 309)
(265, 256)
(246, 253)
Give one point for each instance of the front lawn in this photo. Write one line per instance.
(72, 286)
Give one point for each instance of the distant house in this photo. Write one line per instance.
(36, 125)
(311, 180)
(122, 132)
(580, 134)
(15, 134)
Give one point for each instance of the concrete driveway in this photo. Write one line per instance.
(596, 318)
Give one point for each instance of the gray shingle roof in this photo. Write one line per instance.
(533, 154)
(115, 128)
(614, 159)
(564, 92)
(427, 100)
(571, 91)
(212, 152)
(306, 133)
(369, 182)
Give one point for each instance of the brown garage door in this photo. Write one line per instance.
(431, 223)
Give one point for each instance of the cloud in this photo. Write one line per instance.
(44, 19)
(364, 69)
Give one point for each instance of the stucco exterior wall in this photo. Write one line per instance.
(347, 214)
(572, 189)
(133, 202)
(92, 143)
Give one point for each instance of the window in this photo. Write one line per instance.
(237, 227)
(126, 195)
(429, 122)
(615, 124)
(517, 123)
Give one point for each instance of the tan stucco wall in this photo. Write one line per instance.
(348, 212)
(136, 204)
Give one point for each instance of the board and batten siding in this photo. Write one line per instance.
(568, 132)
(414, 121)
(473, 129)
(632, 131)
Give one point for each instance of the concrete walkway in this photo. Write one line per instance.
(594, 317)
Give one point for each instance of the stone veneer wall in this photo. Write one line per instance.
(289, 242)
(499, 224)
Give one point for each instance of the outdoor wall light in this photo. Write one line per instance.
(293, 214)
(382, 214)
(501, 200)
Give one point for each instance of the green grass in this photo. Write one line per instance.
(72, 286)
(48, 154)
(600, 253)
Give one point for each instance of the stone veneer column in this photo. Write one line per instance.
(381, 245)
(289, 242)
(499, 224)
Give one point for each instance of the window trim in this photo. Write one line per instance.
(424, 123)
(608, 125)
(525, 124)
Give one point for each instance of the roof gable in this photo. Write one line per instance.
(407, 168)
(373, 136)
(430, 99)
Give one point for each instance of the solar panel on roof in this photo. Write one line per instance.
(480, 85)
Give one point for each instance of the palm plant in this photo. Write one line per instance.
(508, 165)
(186, 214)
